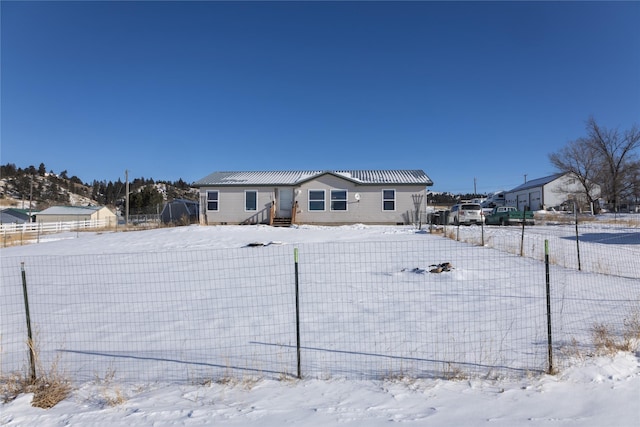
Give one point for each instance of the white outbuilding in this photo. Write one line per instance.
(552, 191)
(76, 213)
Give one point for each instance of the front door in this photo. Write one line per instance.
(284, 202)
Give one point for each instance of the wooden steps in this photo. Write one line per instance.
(281, 222)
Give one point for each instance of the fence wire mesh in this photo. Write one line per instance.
(367, 310)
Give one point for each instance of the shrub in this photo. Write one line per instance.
(49, 388)
(607, 342)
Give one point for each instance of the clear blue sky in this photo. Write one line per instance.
(168, 90)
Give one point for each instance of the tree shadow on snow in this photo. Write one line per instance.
(609, 238)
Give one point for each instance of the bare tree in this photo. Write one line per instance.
(635, 180)
(604, 158)
(581, 160)
(619, 165)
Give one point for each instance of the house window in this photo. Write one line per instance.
(388, 200)
(212, 200)
(338, 200)
(316, 200)
(250, 200)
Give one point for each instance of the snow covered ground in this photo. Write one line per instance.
(594, 391)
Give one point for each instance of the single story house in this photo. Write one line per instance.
(76, 213)
(329, 197)
(180, 210)
(546, 193)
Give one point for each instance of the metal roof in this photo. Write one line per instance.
(297, 177)
(12, 215)
(537, 182)
(70, 210)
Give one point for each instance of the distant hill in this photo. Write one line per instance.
(38, 189)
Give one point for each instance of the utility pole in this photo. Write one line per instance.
(475, 191)
(30, 197)
(126, 190)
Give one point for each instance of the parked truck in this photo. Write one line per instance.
(508, 215)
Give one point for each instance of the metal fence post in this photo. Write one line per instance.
(295, 257)
(524, 216)
(575, 209)
(32, 358)
(548, 285)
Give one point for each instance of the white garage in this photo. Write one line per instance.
(546, 193)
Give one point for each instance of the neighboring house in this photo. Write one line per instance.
(15, 216)
(628, 206)
(76, 213)
(546, 193)
(180, 210)
(313, 197)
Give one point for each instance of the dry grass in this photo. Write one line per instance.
(98, 230)
(246, 382)
(8, 203)
(451, 233)
(18, 239)
(112, 395)
(49, 387)
(573, 350)
(607, 342)
(48, 391)
(287, 378)
(566, 218)
(626, 221)
(631, 332)
(453, 373)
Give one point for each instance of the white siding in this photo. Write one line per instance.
(546, 196)
(77, 215)
(231, 206)
(560, 190)
(366, 210)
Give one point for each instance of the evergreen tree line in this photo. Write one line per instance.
(48, 189)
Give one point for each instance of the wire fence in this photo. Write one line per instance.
(365, 310)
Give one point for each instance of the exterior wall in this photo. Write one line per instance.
(517, 197)
(231, 206)
(529, 198)
(104, 213)
(366, 210)
(62, 218)
(99, 215)
(559, 191)
(546, 196)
